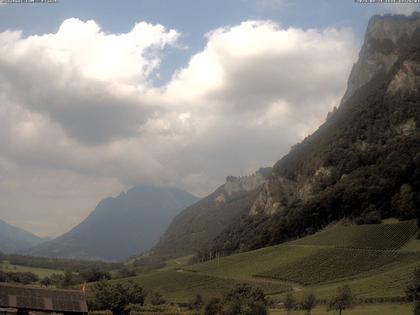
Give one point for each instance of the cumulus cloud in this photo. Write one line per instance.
(79, 103)
(92, 83)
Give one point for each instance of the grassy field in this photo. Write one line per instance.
(372, 236)
(376, 309)
(252, 263)
(319, 263)
(181, 286)
(40, 272)
(335, 264)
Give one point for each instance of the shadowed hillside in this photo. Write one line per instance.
(120, 227)
(363, 163)
(14, 239)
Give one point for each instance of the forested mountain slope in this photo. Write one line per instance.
(363, 163)
(200, 223)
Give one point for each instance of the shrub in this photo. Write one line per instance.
(115, 296)
(343, 300)
(242, 300)
(308, 303)
(156, 298)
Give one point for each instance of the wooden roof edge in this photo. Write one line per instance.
(22, 286)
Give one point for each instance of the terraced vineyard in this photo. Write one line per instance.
(254, 262)
(368, 258)
(336, 263)
(372, 236)
(182, 286)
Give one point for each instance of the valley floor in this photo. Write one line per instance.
(376, 261)
(40, 272)
(374, 309)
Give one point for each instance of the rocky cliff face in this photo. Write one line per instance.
(386, 38)
(197, 226)
(363, 163)
(387, 41)
(242, 184)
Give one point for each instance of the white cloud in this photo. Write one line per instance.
(94, 84)
(79, 103)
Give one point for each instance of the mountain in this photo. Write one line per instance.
(363, 163)
(120, 227)
(13, 239)
(200, 223)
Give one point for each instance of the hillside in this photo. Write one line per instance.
(363, 163)
(369, 236)
(200, 223)
(318, 264)
(13, 239)
(120, 227)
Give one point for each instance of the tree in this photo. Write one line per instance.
(416, 308)
(413, 288)
(343, 300)
(115, 296)
(289, 303)
(308, 303)
(67, 279)
(126, 273)
(4, 277)
(198, 303)
(94, 275)
(413, 291)
(245, 300)
(156, 298)
(46, 281)
(22, 277)
(56, 279)
(214, 307)
(242, 300)
(403, 203)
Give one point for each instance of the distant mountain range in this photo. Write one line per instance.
(120, 227)
(13, 239)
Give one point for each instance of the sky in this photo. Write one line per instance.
(99, 96)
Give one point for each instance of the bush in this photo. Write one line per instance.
(308, 303)
(289, 303)
(156, 298)
(242, 300)
(343, 300)
(18, 277)
(214, 307)
(115, 296)
(94, 275)
(198, 303)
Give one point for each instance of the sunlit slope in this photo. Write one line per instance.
(378, 267)
(339, 264)
(251, 263)
(373, 259)
(369, 236)
(178, 285)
